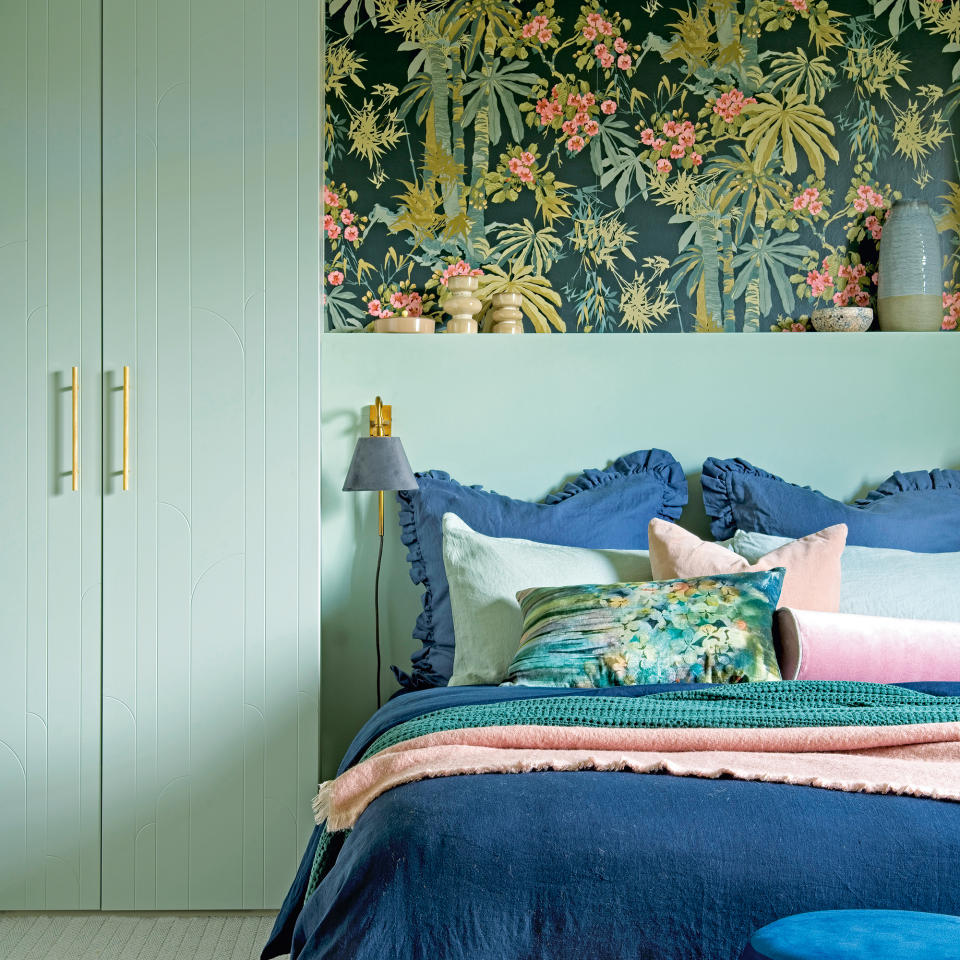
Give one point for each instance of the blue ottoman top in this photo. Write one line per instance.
(858, 935)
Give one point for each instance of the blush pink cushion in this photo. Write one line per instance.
(812, 564)
(848, 646)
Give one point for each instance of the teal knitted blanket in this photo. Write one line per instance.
(748, 705)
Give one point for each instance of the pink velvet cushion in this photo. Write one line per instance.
(812, 564)
(848, 646)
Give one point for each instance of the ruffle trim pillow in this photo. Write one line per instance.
(917, 511)
(607, 509)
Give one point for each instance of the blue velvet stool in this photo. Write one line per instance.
(857, 935)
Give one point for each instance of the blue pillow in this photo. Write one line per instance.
(917, 511)
(600, 509)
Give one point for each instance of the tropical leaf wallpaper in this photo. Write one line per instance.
(665, 166)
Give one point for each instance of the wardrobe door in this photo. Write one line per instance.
(49, 532)
(211, 272)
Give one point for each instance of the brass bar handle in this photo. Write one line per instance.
(76, 428)
(126, 428)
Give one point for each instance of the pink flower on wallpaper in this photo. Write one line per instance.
(569, 127)
(664, 165)
(819, 281)
(606, 61)
(373, 308)
(527, 158)
(687, 138)
(840, 298)
(544, 35)
(798, 203)
(677, 151)
(620, 45)
(799, 5)
(514, 164)
(608, 106)
(328, 221)
(594, 19)
(949, 323)
(529, 29)
(647, 136)
(335, 278)
(346, 215)
(588, 99)
(875, 278)
(659, 143)
(696, 159)
(623, 62)
(576, 144)
(398, 300)
(581, 117)
(334, 232)
(591, 128)
(330, 198)
(815, 207)
(797, 328)
(351, 234)
(606, 28)
(670, 129)
(600, 49)
(863, 299)
(589, 33)
(525, 175)
(860, 205)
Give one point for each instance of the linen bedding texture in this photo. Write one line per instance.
(607, 508)
(812, 563)
(466, 866)
(881, 582)
(714, 629)
(917, 511)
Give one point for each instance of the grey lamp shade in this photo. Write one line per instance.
(379, 463)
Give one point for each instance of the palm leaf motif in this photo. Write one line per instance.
(788, 123)
(497, 83)
(540, 301)
(625, 167)
(525, 244)
(743, 180)
(351, 8)
(793, 71)
(895, 10)
(486, 22)
(765, 261)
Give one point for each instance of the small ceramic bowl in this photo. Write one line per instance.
(842, 319)
(398, 324)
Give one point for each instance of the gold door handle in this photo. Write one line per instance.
(126, 428)
(76, 428)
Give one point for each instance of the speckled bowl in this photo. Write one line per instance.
(842, 319)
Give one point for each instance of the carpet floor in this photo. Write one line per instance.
(126, 936)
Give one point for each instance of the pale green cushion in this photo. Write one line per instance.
(882, 582)
(486, 573)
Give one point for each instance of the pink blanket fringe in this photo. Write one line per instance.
(921, 760)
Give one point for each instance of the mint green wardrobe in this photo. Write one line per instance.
(49, 534)
(159, 723)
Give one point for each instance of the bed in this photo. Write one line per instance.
(552, 802)
(613, 865)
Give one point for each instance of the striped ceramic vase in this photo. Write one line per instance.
(910, 293)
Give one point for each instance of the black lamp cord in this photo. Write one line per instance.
(376, 614)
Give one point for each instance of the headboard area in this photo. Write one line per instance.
(520, 414)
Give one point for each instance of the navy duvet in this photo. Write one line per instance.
(606, 866)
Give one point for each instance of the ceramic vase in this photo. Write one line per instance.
(462, 304)
(505, 314)
(910, 289)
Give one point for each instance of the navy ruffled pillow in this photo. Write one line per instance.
(599, 509)
(917, 511)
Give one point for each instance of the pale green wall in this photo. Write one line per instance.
(519, 414)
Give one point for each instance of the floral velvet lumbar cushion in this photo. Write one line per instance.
(714, 629)
(812, 564)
